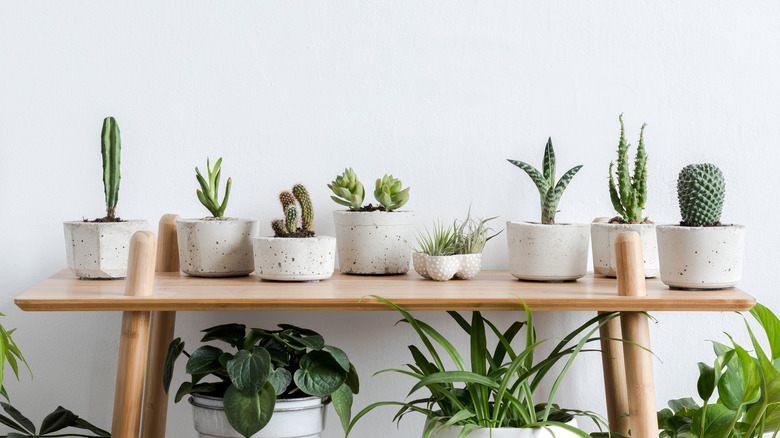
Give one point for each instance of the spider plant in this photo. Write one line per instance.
(441, 241)
(489, 389)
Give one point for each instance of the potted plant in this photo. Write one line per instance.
(747, 400)
(628, 194)
(546, 250)
(452, 252)
(294, 253)
(215, 246)
(701, 253)
(490, 393)
(98, 249)
(372, 240)
(275, 384)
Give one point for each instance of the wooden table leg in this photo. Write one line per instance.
(638, 361)
(134, 338)
(614, 377)
(155, 407)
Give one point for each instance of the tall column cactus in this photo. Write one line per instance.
(289, 226)
(110, 149)
(701, 190)
(629, 194)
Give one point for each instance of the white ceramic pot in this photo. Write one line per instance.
(701, 257)
(375, 242)
(294, 418)
(213, 247)
(506, 432)
(100, 249)
(547, 252)
(442, 268)
(603, 237)
(294, 258)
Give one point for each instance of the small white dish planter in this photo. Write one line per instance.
(507, 432)
(701, 257)
(603, 237)
(214, 247)
(292, 418)
(99, 250)
(374, 242)
(547, 252)
(294, 258)
(443, 268)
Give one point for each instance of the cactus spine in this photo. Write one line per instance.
(701, 190)
(549, 192)
(289, 226)
(110, 149)
(629, 194)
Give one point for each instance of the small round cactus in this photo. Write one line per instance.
(701, 190)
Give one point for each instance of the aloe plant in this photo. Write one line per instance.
(110, 149)
(629, 194)
(208, 192)
(549, 192)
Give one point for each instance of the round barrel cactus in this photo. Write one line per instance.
(701, 190)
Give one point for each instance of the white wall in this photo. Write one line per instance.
(438, 93)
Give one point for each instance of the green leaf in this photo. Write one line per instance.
(10, 423)
(706, 383)
(771, 326)
(716, 423)
(280, 378)
(751, 377)
(683, 403)
(248, 414)
(541, 183)
(342, 403)
(232, 334)
(319, 374)
(204, 360)
(339, 355)
(548, 163)
(174, 351)
(454, 377)
(352, 380)
(189, 388)
(248, 370)
(84, 424)
(16, 415)
(58, 420)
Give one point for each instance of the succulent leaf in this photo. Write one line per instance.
(548, 163)
(347, 187)
(388, 192)
(541, 182)
(208, 195)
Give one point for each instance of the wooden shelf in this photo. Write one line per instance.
(491, 290)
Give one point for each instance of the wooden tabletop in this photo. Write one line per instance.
(491, 290)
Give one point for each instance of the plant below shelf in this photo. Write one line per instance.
(268, 364)
(629, 194)
(489, 389)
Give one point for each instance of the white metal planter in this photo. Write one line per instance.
(603, 237)
(547, 252)
(99, 250)
(293, 418)
(442, 268)
(374, 243)
(216, 247)
(701, 257)
(294, 258)
(541, 432)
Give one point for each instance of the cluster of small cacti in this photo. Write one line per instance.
(208, 193)
(289, 226)
(701, 190)
(348, 191)
(629, 194)
(110, 149)
(549, 192)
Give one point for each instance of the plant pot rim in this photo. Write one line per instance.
(192, 400)
(608, 224)
(126, 221)
(539, 224)
(215, 220)
(316, 237)
(700, 229)
(371, 212)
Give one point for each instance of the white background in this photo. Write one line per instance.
(438, 93)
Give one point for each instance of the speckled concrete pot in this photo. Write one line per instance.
(216, 247)
(374, 243)
(99, 249)
(701, 257)
(442, 268)
(294, 259)
(507, 432)
(547, 252)
(470, 265)
(603, 237)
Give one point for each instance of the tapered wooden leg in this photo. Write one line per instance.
(155, 406)
(134, 338)
(614, 377)
(639, 366)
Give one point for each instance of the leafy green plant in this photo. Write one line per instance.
(489, 389)
(348, 190)
(208, 192)
(747, 404)
(473, 234)
(289, 226)
(701, 190)
(549, 192)
(110, 149)
(290, 362)
(629, 194)
(441, 241)
(390, 194)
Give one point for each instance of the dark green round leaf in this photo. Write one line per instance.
(204, 360)
(280, 378)
(339, 355)
(249, 413)
(352, 380)
(342, 402)
(716, 423)
(16, 415)
(174, 350)
(232, 334)
(58, 420)
(319, 374)
(249, 369)
(706, 382)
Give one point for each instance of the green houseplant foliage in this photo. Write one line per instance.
(265, 365)
(701, 190)
(747, 402)
(208, 192)
(629, 194)
(549, 192)
(289, 226)
(348, 190)
(488, 388)
(110, 150)
(389, 192)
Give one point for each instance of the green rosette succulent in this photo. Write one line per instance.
(390, 194)
(348, 190)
